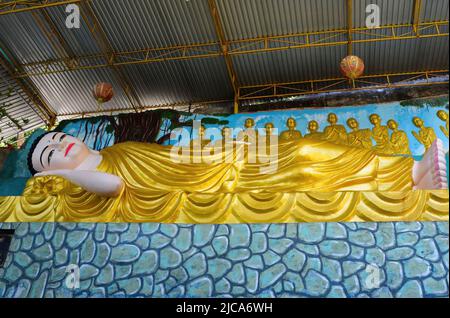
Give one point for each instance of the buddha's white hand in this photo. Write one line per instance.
(100, 183)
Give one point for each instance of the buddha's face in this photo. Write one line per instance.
(226, 133)
(57, 150)
(374, 119)
(392, 124)
(249, 123)
(291, 123)
(332, 118)
(417, 122)
(313, 126)
(442, 115)
(352, 123)
(269, 128)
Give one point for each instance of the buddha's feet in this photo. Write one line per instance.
(430, 173)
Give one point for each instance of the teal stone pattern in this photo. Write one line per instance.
(380, 260)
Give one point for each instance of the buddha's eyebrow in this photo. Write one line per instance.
(42, 153)
(53, 137)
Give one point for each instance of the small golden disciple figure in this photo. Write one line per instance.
(313, 126)
(380, 134)
(226, 133)
(269, 129)
(249, 123)
(399, 140)
(334, 132)
(201, 140)
(358, 137)
(250, 133)
(226, 144)
(443, 115)
(199, 144)
(291, 133)
(425, 135)
(227, 137)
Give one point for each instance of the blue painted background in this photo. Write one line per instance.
(265, 260)
(402, 114)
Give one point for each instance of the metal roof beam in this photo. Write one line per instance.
(50, 30)
(390, 80)
(23, 5)
(240, 47)
(225, 49)
(416, 16)
(101, 39)
(349, 26)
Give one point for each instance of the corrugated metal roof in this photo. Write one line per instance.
(256, 18)
(22, 35)
(178, 81)
(133, 25)
(155, 84)
(140, 24)
(391, 11)
(79, 40)
(434, 10)
(71, 92)
(290, 65)
(399, 56)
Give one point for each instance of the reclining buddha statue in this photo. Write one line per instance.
(138, 172)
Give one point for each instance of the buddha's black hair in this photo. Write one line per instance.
(30, 153)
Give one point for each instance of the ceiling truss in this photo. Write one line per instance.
(393, 80)
(8, 7)
(108, 58)
(238, 47)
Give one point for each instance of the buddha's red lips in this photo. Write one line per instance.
(68, 148)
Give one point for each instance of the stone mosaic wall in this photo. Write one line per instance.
(278, 260)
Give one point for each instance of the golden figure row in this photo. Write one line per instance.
(396, 142)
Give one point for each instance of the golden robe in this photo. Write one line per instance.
(303, 165)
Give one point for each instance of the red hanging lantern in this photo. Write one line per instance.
(352, 67)
(103, 92)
